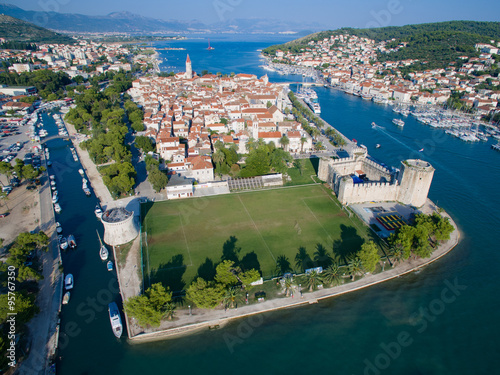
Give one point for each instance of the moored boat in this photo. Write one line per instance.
(66, 298)
(81, 172)
(57, 208)
(68, 282)
(63, 242)
(109, 265)
(115, 319)
(58, 228)
(98, 212)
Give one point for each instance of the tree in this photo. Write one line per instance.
(354, 267)
(218, 157)
(227, 273)
(29, 172)
(284, 141)
(6, 169)
(312, 280)
(302, 141)
(249, 276)
(231, 296)
(205, 295)
(396, 252)
(333, 275)
(170, 310)
(369, 256)
(288, 285)
(144, 143)
(149, 308)
(158, 179)
(24, 307)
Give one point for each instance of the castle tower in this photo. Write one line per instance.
(415, 181)
(189, 69)
(119, 226)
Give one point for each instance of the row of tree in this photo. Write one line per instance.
(21, 288)
(21, 170)
(421, 238)
(50, 85)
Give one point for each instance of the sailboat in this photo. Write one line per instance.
(103, 252)
(209, 47)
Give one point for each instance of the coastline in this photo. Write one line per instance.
(205, 319)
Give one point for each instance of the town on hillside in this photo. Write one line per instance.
(350, 63)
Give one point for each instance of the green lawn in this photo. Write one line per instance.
(188, 238)
(303, 175)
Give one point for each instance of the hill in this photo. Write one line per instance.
(129, 23)
(437, 43)
(14, 29)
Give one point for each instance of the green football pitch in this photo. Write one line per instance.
(183, 239)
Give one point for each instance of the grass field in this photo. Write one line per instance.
(188, 238)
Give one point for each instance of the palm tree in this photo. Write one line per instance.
(218, 157)
(282, 265)
(396, 253)
(170, 310)
(302, 141)
(312, 280)
(231, 296)
(333, 275)
(288, 285)
(285, 141)
(354, 267)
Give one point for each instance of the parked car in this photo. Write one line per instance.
(5, 214)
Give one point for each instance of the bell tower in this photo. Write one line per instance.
(189, 69)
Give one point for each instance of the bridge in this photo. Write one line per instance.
(44, 140)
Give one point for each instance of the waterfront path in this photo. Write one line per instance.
(43, 327)
(202, 319)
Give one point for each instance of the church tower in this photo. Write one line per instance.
(189, 69)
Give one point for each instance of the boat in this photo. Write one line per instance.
(52, 183)
(57, 208)
(115, 319)
(98, 212)
(81, 172)
(496, 147)
(398, 122)
(71, 241)
(86, 190)
(53, 188)
(210, 48)
(103, 252)
(55, 198)
(68, 282)
(63, 243)
(49, 163)
(58, 228)
(66, 298)
(377, 145)
(109, 265)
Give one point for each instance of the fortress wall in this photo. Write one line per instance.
(350, 193)
(120, 233)
(375, 171)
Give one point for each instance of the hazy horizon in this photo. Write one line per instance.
(323, 13)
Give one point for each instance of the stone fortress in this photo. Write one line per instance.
(358, 179)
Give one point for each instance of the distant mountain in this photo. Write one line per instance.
(126, 22)
(14, 29)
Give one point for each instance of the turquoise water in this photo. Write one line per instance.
(415, 324)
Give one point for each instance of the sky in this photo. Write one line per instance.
(327, 13)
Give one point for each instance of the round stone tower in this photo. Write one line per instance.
(415, 181)
(119, 226)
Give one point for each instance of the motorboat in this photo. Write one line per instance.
(55, 198)
(57, 208)
(71, 241)
(52, 183)
(109, 265)
(115, 319)
(53, 188)
(68, 282)
(81, 172)
(103, 252)
(398, 122)
(377, 145)
(98, 212)
(63, 243)
(87, 192)
(66, 298)
(58, 228)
